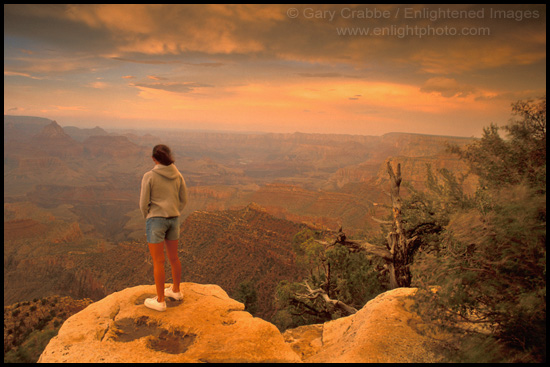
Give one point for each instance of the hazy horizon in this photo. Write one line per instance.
(151, 130)
(334, 69)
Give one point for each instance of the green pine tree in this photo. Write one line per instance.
(487, 266)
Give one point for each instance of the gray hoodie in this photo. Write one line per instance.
(163, 192)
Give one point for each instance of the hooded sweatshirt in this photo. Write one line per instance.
(163, 192)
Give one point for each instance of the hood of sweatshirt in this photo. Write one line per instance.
(170, 172)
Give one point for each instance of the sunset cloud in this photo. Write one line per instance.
(99, 85)
(447, 87)
(15, 73)
(175, 87)
(279, 67)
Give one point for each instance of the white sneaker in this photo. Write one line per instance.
(154, 304)
(168, 292)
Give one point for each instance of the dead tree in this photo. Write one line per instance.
(331, 305)
(399, 250)
(318, 301)
(398, 254)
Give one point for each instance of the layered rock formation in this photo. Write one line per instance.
(312, 178)
(25, 321)
(234, 246)
(55, 142)
(208, 326)
(110, 146)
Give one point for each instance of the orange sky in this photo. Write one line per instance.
(365, 69)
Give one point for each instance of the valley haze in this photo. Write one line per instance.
(71, 215)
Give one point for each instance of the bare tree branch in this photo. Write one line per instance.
(381, 221)
(331, 303)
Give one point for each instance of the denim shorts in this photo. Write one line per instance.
(159, 228)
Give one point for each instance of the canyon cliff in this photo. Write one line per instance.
(326, 180)
(46, 255)
(208, 326)
(73, 226)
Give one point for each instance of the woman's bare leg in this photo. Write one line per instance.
(172, 251)
(157, 253)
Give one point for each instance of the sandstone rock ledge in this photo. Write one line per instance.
(208, 326)
(383, 331)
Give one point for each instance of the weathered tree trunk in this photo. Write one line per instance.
(398, 254)
(399, 245)
(399, 250)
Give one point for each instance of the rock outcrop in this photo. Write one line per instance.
(208, 326)
(383, 331)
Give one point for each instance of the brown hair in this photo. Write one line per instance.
(163, 154)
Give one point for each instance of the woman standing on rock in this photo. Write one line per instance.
(162, 199)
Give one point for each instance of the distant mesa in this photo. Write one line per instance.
(53, 131)
(56, 142)
(110, 145)
(80, 134)
(23, 126)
